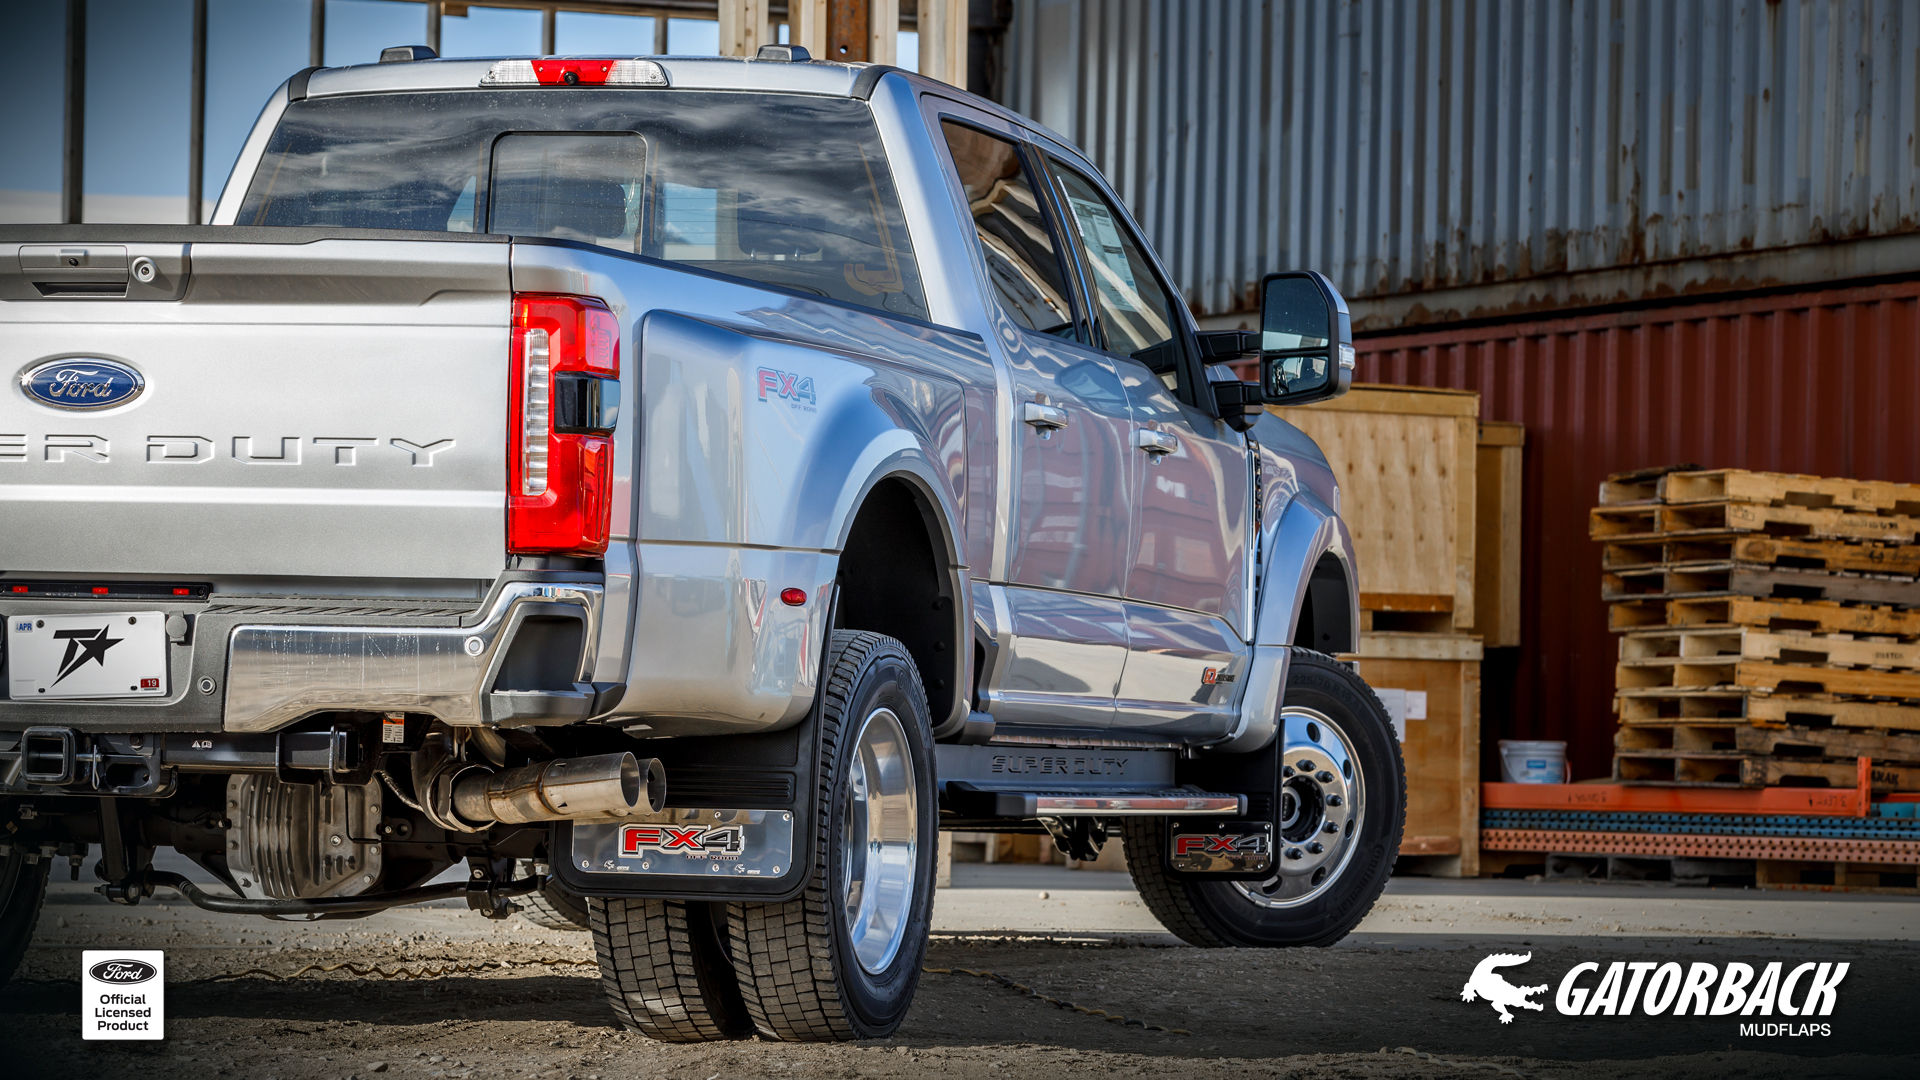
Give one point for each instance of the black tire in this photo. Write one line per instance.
(552, 907)
(797, 965)
(665, 970)
(23, 888)
(1219, 913)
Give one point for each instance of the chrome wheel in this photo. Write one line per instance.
(1322, 810)
(879, 835)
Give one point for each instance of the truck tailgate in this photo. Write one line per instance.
(327, 408)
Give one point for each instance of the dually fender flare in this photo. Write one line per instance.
(1308, 532)
(894, 454)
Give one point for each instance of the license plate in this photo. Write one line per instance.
(109, 654)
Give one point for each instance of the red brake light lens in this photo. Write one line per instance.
(564, 403)
(572, 72)
(576, 71)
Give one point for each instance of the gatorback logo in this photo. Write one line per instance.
(122, 972)
(1650, 988)
(82, 382)
(719, 841)
(791, 387)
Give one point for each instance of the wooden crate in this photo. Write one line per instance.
(1442, 750)
(1496, 542)
(1405, 459)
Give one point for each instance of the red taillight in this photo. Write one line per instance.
(101, 590)
(564, 403)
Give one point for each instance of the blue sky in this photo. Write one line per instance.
(138, 56)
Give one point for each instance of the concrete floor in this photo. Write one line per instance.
(506, 1000)
(1010, 898)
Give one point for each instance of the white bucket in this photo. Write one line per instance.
(1533, 761)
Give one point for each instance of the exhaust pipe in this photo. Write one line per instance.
(604, 786)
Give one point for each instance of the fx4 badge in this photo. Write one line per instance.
(721, 841)
(787, 386)
(1238, 848)
(1216, 844)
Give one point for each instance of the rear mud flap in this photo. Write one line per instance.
(687, 846)
(738, 822)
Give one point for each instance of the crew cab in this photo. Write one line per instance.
(664, 491)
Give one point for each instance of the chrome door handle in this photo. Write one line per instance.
(1045, 417)
(1156, 443)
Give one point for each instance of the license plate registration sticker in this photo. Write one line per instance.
(108, 654)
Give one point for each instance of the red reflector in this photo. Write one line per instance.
(100, 590)
(793, 597)
(19, 588)
(572, 72)
(182, 592)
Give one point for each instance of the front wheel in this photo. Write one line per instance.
(1342, 805)
(842, 960)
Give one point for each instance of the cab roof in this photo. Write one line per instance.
(683, 72)
(773, 75)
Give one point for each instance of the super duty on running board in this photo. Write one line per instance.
(667, 491)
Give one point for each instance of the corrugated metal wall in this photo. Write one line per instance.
(1825, 383)
(1406, 145)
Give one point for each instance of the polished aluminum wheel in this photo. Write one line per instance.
(880, 831)
(1322, 810)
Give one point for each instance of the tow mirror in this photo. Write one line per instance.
(1306, 339)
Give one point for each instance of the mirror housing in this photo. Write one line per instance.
(1235, 401)
(1306, 339)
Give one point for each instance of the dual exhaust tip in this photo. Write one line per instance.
(565, 789)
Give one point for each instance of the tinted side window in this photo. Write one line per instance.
(1137, 317)
(1021, 258)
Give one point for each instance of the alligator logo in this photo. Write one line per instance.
(1487, 984)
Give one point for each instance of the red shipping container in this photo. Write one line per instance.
(1822, 382)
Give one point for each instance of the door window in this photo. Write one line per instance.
(1136, 315)
(1022, 260)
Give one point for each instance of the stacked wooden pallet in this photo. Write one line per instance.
(1770, 627)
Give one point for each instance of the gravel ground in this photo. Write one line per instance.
(509, 1000)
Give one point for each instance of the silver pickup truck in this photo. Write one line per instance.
(665, 492)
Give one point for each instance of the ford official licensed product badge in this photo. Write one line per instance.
(82, 382)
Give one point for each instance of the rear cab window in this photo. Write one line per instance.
(786, 190)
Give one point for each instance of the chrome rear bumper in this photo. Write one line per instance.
(277, 674)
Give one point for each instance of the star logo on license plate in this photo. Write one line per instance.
(83, 644)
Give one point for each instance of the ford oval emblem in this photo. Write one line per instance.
(122, 971)
(82, 382)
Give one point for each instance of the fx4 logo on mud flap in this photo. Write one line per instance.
(793, 388)
(699, 841)
(1218, 844)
